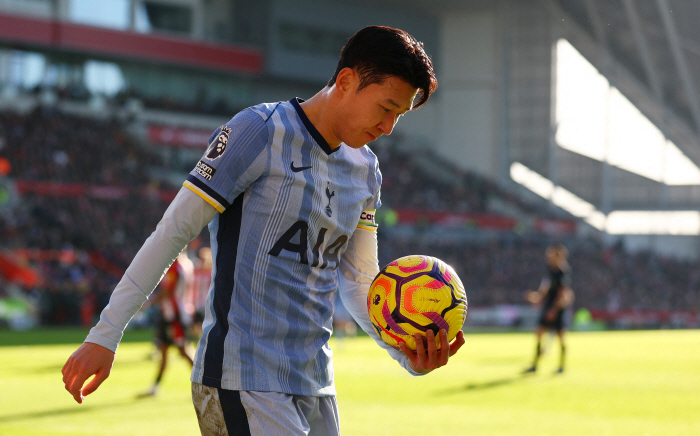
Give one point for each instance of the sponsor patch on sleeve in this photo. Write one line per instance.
(367, 220)
(218, 145)
(204, 170)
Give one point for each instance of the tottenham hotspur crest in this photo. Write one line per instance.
(330, 194)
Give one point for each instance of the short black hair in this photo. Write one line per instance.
(378, 52)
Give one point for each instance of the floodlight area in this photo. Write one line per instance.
(616, 222)
(595, 120)
(685, 222)
(531, 180)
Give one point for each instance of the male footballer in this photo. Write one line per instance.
(282, 187)
(555, 296)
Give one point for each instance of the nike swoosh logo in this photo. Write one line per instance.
(297, 169)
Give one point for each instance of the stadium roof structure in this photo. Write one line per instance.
(647, 55)
(658, 41)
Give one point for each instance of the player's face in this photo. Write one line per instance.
(552, 255)
(374, 111)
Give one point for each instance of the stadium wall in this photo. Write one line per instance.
(493, 101)
(468, 101)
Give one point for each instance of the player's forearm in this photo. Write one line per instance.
(358, 267)
(564, 299)
(181, 223)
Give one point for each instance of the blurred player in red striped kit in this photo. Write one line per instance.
(173, 315)
(197, 293)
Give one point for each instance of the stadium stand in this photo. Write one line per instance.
(89, 200)
(607, 279)
(87, 204)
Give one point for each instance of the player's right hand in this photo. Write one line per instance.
(532, 296)
(87, 360)
(424, 361)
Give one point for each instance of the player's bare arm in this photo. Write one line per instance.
(566, 298)
(535, 297)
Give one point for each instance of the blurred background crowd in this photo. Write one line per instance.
(86, 194)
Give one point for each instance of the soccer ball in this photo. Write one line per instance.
(415, 294)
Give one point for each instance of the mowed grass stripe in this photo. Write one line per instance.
(616, 383)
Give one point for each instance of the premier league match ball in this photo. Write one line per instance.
(415, 294)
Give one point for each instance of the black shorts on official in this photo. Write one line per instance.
(558, 323)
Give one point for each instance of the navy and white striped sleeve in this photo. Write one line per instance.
(235, 158)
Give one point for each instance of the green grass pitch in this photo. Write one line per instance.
(616, 383)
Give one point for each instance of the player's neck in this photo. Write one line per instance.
(318, 110)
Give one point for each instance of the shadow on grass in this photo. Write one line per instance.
(490, 384)
(73, 410)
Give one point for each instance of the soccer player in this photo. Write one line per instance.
(172, 317)
(196, 298)
(289, 191)
(555, 296)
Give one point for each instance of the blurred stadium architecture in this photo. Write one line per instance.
(572, 121)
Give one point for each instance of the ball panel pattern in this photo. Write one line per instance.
(415, 294)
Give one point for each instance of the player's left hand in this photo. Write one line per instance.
(423, 361)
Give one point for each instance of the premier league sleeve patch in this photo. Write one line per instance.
(218, 145)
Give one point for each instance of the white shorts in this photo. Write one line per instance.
(223, 412)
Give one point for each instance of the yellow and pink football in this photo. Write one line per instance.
(415, 294)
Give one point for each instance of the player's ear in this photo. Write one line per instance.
(345, 81)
